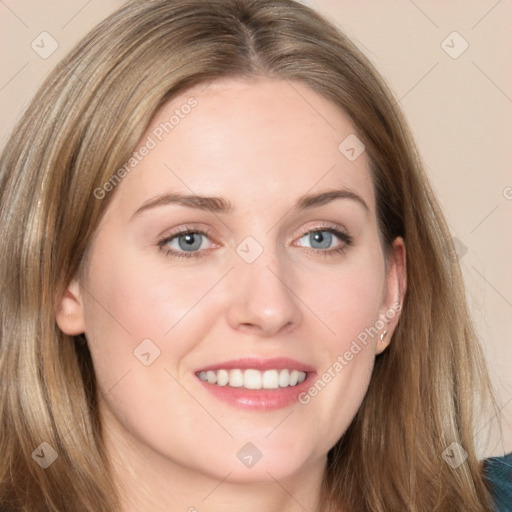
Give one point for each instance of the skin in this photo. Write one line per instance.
(261, 145)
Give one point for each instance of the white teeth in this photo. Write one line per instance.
(284, 378)
(270, 379)
(254, 379)
(236, 378)
(222, 377)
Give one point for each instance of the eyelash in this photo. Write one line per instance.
(341, 235)
(338, 232)
(182, 254)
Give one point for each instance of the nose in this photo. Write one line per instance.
(263, 301)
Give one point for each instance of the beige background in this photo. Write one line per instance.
(460, 110)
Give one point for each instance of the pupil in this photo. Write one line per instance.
(189, 241)
(322, 239)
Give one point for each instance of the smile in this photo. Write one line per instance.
(253, 379)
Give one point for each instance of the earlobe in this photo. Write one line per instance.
(396, 287)
(69, 313)
(383, 342)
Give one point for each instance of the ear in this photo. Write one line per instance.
(70, 314)
(396, 285)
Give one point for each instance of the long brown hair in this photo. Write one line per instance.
(81, 128)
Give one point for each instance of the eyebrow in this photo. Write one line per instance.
(221, 205)
(313, 200)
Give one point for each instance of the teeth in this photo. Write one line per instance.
(270, 379)
(254, 379)
(284, 378)
(222, 377)
(236, 378)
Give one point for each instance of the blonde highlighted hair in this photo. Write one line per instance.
(82, 127)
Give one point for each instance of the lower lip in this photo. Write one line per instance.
(258, 399)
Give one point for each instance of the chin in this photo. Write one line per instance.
(260, 461)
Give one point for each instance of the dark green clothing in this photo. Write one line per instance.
(499, 472)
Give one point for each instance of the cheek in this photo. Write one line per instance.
(134, 301)
(338, 389)
(129, 303)
(348, 297)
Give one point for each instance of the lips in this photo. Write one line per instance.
(261, 364)
(256, 383)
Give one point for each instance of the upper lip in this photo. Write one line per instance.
(260, 363)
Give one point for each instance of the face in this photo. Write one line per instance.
(236, 287)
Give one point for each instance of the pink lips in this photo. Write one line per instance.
(245, 363)
(259, 399)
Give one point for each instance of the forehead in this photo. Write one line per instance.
(247, 140)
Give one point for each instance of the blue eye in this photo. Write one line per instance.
(324, 240)
(190, 241)
(185, 244)
(319, 239)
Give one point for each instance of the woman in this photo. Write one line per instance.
(227, 280)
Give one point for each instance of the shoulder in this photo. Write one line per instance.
(498, 471)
